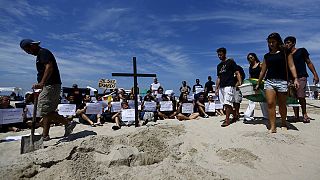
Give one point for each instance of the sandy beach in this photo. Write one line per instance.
(169, 149)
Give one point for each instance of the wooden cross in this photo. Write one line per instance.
(135, 76)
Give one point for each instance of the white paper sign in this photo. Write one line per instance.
(187, 108)
(67, 109)
(8, 116)
(116, 106)
(30, 111)
(210, 107)
(218, 105)
(199, 90)
(166, 106)
(93, 108)
(128, 116)
(131, 104)
(214, 97)
(190, 97)
(150, 106)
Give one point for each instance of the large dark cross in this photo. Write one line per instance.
(135, 76)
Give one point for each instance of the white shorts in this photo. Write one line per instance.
(237, 96)
(226, 95)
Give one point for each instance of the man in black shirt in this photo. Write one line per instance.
(208, 87)
(225, 84)
(300, 59)
(50, 84)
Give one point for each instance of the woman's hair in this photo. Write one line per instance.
(181, 97)
(276, 36)
(254, 56)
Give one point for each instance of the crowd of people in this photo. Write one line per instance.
(283, 69)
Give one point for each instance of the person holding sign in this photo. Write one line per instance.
(166, 108)
(50, 83)
(149, 107)
(120, 117)
(92, 119)
(200, 105)
(185, 108)
(5, 104)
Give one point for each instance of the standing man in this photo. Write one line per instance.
(155, 86)
(225, 84)
(300, 59)
(208, 87)
(49, 81)
(196, 87)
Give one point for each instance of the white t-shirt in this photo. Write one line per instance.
(154, 87)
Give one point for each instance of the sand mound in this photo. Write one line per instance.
(129, 156)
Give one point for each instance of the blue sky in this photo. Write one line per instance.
(175, 39)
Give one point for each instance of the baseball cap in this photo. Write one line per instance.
(75, 85)
(26, 42)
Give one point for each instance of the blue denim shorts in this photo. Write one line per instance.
(279, 85)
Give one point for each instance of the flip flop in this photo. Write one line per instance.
(116, 127)
(306, 120)
(225, 124)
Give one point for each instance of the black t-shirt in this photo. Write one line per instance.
(299, 58)
(276, 66)
(255, 72)
(225, 71)
(209, 85)
(44, 57)
(196, 86)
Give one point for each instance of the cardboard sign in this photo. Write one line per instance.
(150, 106)
(8, 116)
(93, 108)
(210, 107)
(218, 105)
(166, 106)
(67, 109)
(30, 111)
(115, 106)
(187, 108)
(128, 116)
(108, 83)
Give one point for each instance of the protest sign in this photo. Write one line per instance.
(128, 116)
(93, 108)
(218, 105)
(150, 106)
(210, 107)
(108, 83)
(29, 112)
(67, 109)
(116, 106)
(166, 106)
(187, 108)
(8, 116)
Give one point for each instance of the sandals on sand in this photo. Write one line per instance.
(225, 124)
(306, 119)
(116, 127)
